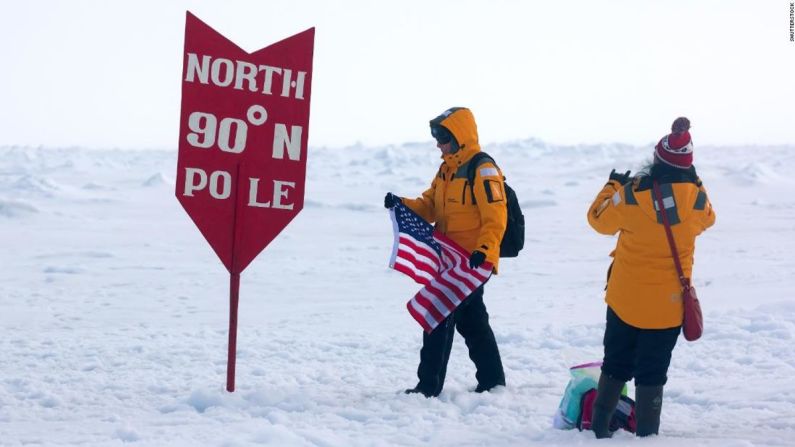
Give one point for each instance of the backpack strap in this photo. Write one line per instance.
(477, 160)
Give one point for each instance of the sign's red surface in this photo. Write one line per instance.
(243, 136)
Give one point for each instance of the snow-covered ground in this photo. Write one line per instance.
(114, 309)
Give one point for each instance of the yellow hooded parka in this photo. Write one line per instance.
(448, 202)
(643, 288)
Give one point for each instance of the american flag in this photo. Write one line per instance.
(435, 261)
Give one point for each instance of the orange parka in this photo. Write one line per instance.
(643, 288)
(448, 202)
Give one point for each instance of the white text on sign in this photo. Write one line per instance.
(220, 187)
(229, 135)
(204, 128)
(240, 74)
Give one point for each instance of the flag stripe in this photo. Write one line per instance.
(426, 304)
(409, 243)
(417, 269)
(421, 316)
(459, 293)
(407, 257)
(462, 278)
(479, 274)
(420, 262)
(462, 288)
(440, 291)
(436, 302)
(417, 275)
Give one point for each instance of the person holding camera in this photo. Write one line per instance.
(644, 294)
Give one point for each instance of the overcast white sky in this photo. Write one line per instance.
(107, 73)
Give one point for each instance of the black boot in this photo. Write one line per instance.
(420, 390)
(648, 405)
(607, 395)
(483, 388)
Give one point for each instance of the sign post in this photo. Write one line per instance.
(243, 135)
(231, 358)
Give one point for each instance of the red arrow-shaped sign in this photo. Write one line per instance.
(243, 136)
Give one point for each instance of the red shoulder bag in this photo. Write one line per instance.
(693, 322)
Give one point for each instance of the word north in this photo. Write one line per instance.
(242, 75)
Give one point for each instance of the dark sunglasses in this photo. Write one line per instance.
(441, 134)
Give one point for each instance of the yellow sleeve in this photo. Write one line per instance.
(424, 205)
(604, 215)
(708, 215)
(489, 189)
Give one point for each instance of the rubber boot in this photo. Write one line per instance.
(419, 390)
(648, 406)
(607, 395)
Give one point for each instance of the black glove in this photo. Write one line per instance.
(390, 200)
(621, 178)
(477, 258)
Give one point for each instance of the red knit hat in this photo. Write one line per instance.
(676, 148)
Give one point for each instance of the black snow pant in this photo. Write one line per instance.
(472, 322)
(644, 354)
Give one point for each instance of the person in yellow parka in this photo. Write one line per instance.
(644, 294)
(478, 227)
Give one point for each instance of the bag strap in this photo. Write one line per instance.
(669, 233)
(474, 162)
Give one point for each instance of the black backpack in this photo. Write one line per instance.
(513, 239)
